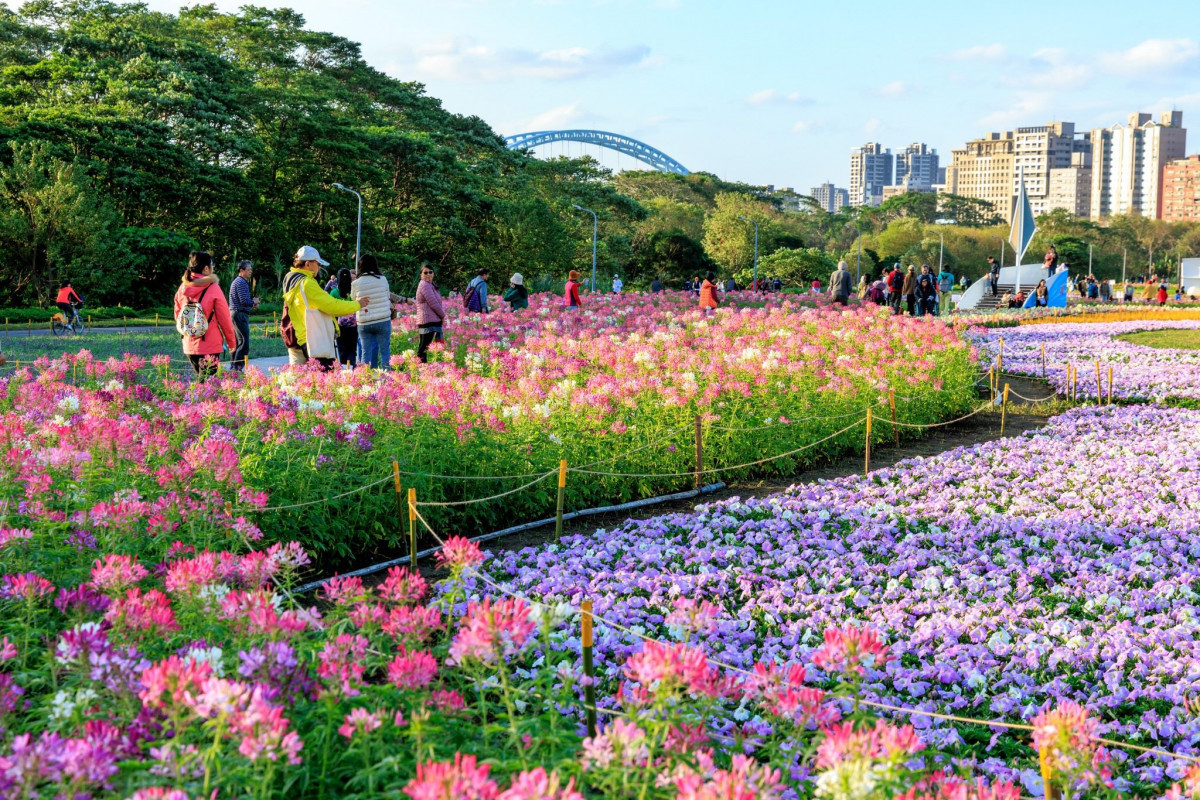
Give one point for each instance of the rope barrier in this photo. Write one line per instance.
(776, 425)
(444, 504)
(324, 499)
(1045, 399)
(983, 407)
(746, 673)
(711, 470)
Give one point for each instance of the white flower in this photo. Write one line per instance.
(208, 655)
(69, 404)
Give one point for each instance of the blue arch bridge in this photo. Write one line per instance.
(613, 141)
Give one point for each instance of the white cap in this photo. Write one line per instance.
(308, 253)
(517, 279)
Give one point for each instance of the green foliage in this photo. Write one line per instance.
(671, 256)
(795, 268)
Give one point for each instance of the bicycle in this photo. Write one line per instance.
(60, 325)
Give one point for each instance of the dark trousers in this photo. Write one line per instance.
(428, 337)
(995, 284)
(894, 302)
(204, 365)
(347, 345)
(911, 300)
(241, 326)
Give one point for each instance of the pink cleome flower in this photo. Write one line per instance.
(745, 779)
(850, 650)
(27, 586)
(115, 573)
(413, 670)
(1068, 737)
(666, 668)
(461, 779)
(458, 554)
(403, 586)
(537, 784)
(492, 631)
(143, 611)
(360, 721)
(884, 742)
(341, 663)
(173, 681)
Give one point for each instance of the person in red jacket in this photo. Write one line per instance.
(571, 293)
(708, 292)
(66, 302)
(1162, 294)
(205, 351)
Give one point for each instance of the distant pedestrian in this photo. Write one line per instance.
(347, 324)
(307, 324)
(375, 319)
(730, 284)
(815, 287)
(1093, 289)
(516, 295)
(994, 274)
(863, 284)
(895, 285)
(656, 285)
(963, 283)
(777, 285)
(926, 292)
(909, 290)
(1050, 260)
(69, 303)
(1105, 291)
(696, 284)
(1041, 295)
(571, 294)
(877, 293)
(475, 297)
(708, 292)
(839, 284)
(1129, 292)
(1162, 294)
(617, 284)
(945, 281)
(241, 304)
(202, 317)
(431, 316)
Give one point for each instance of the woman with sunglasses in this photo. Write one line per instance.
(430, 314)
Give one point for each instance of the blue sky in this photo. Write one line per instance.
(779, 92)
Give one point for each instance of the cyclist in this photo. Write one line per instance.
(69, 309)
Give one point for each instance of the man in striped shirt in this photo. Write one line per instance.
(241, 304)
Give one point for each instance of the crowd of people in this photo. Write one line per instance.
(348, 321)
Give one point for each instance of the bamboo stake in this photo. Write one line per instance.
(1043, 359)
(1000, 358)
(155, 320)
(412, 528)
(1099, 386)
(699, 452)
(1110, 379)
(1004, 410)
(562, 490)
(867, 453)
(589, 669)
(895, 427)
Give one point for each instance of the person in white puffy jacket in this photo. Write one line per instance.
(375, 321)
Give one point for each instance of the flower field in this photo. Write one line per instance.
(1010, 577)
(1139, 372)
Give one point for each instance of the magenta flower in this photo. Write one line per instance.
(116, 573)
(360, 721)
(413, 670)
(459, 554)
(536, 784)
(663, 669)
(492, 631)
(461, 779)
(850, 650)
(26, 586)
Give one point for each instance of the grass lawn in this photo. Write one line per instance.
(1169, 339)
(105, 344)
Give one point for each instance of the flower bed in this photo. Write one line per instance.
(1139, 372)
(617, 386)
(1057, 566)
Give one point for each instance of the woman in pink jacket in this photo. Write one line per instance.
(205, 351)
(430, 314)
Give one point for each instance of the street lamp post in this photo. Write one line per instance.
(595, 229)
(941, 249)
(1090, 260)
(755, 223)
(1001, 240)
(1124, 258)
(358, 232)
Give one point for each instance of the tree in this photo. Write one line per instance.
(967, 210)
(922, 206)
(729, 241)
(670, 255)
(797, 268)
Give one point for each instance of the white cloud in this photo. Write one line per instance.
(872, 126)
(556, 118)
(1023, 112)
(464, 59)
(893, 89)
(804, 126)
(770, 96)
(980, 52)
(1152, 57)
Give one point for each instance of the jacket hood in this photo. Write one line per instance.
(193, 292)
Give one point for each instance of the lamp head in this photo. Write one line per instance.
(744, 219)
(339, 186)
(577, 208)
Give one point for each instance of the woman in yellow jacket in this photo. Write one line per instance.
(307, 303)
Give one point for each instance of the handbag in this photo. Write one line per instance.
(319, 327)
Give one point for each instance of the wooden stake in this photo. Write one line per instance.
(589, 668)
(895, 427)
(1110, 377)
(412, 529)
(1099, 386)
(156, 320)
(1043, 359)
(1048, 791)
(867, 453)
(246, 364)
(699, 452)
(1000, 358)
(1004, 410)
(562, 490)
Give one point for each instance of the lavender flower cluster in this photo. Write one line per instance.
(1062, 564)
(1139, 372)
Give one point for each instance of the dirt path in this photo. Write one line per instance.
(984, 427)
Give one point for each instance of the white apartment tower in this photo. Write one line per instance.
(830, 197)
(1128, 162)
(870, 171)
(917, 168)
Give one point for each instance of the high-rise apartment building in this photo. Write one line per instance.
(1071, 187)
(1038, 151)
(1181, 190)
(871, 169)
(983, 169)
(1128, 162)
(830, 197)
(917, 168)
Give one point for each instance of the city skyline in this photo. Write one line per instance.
(770, 93)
